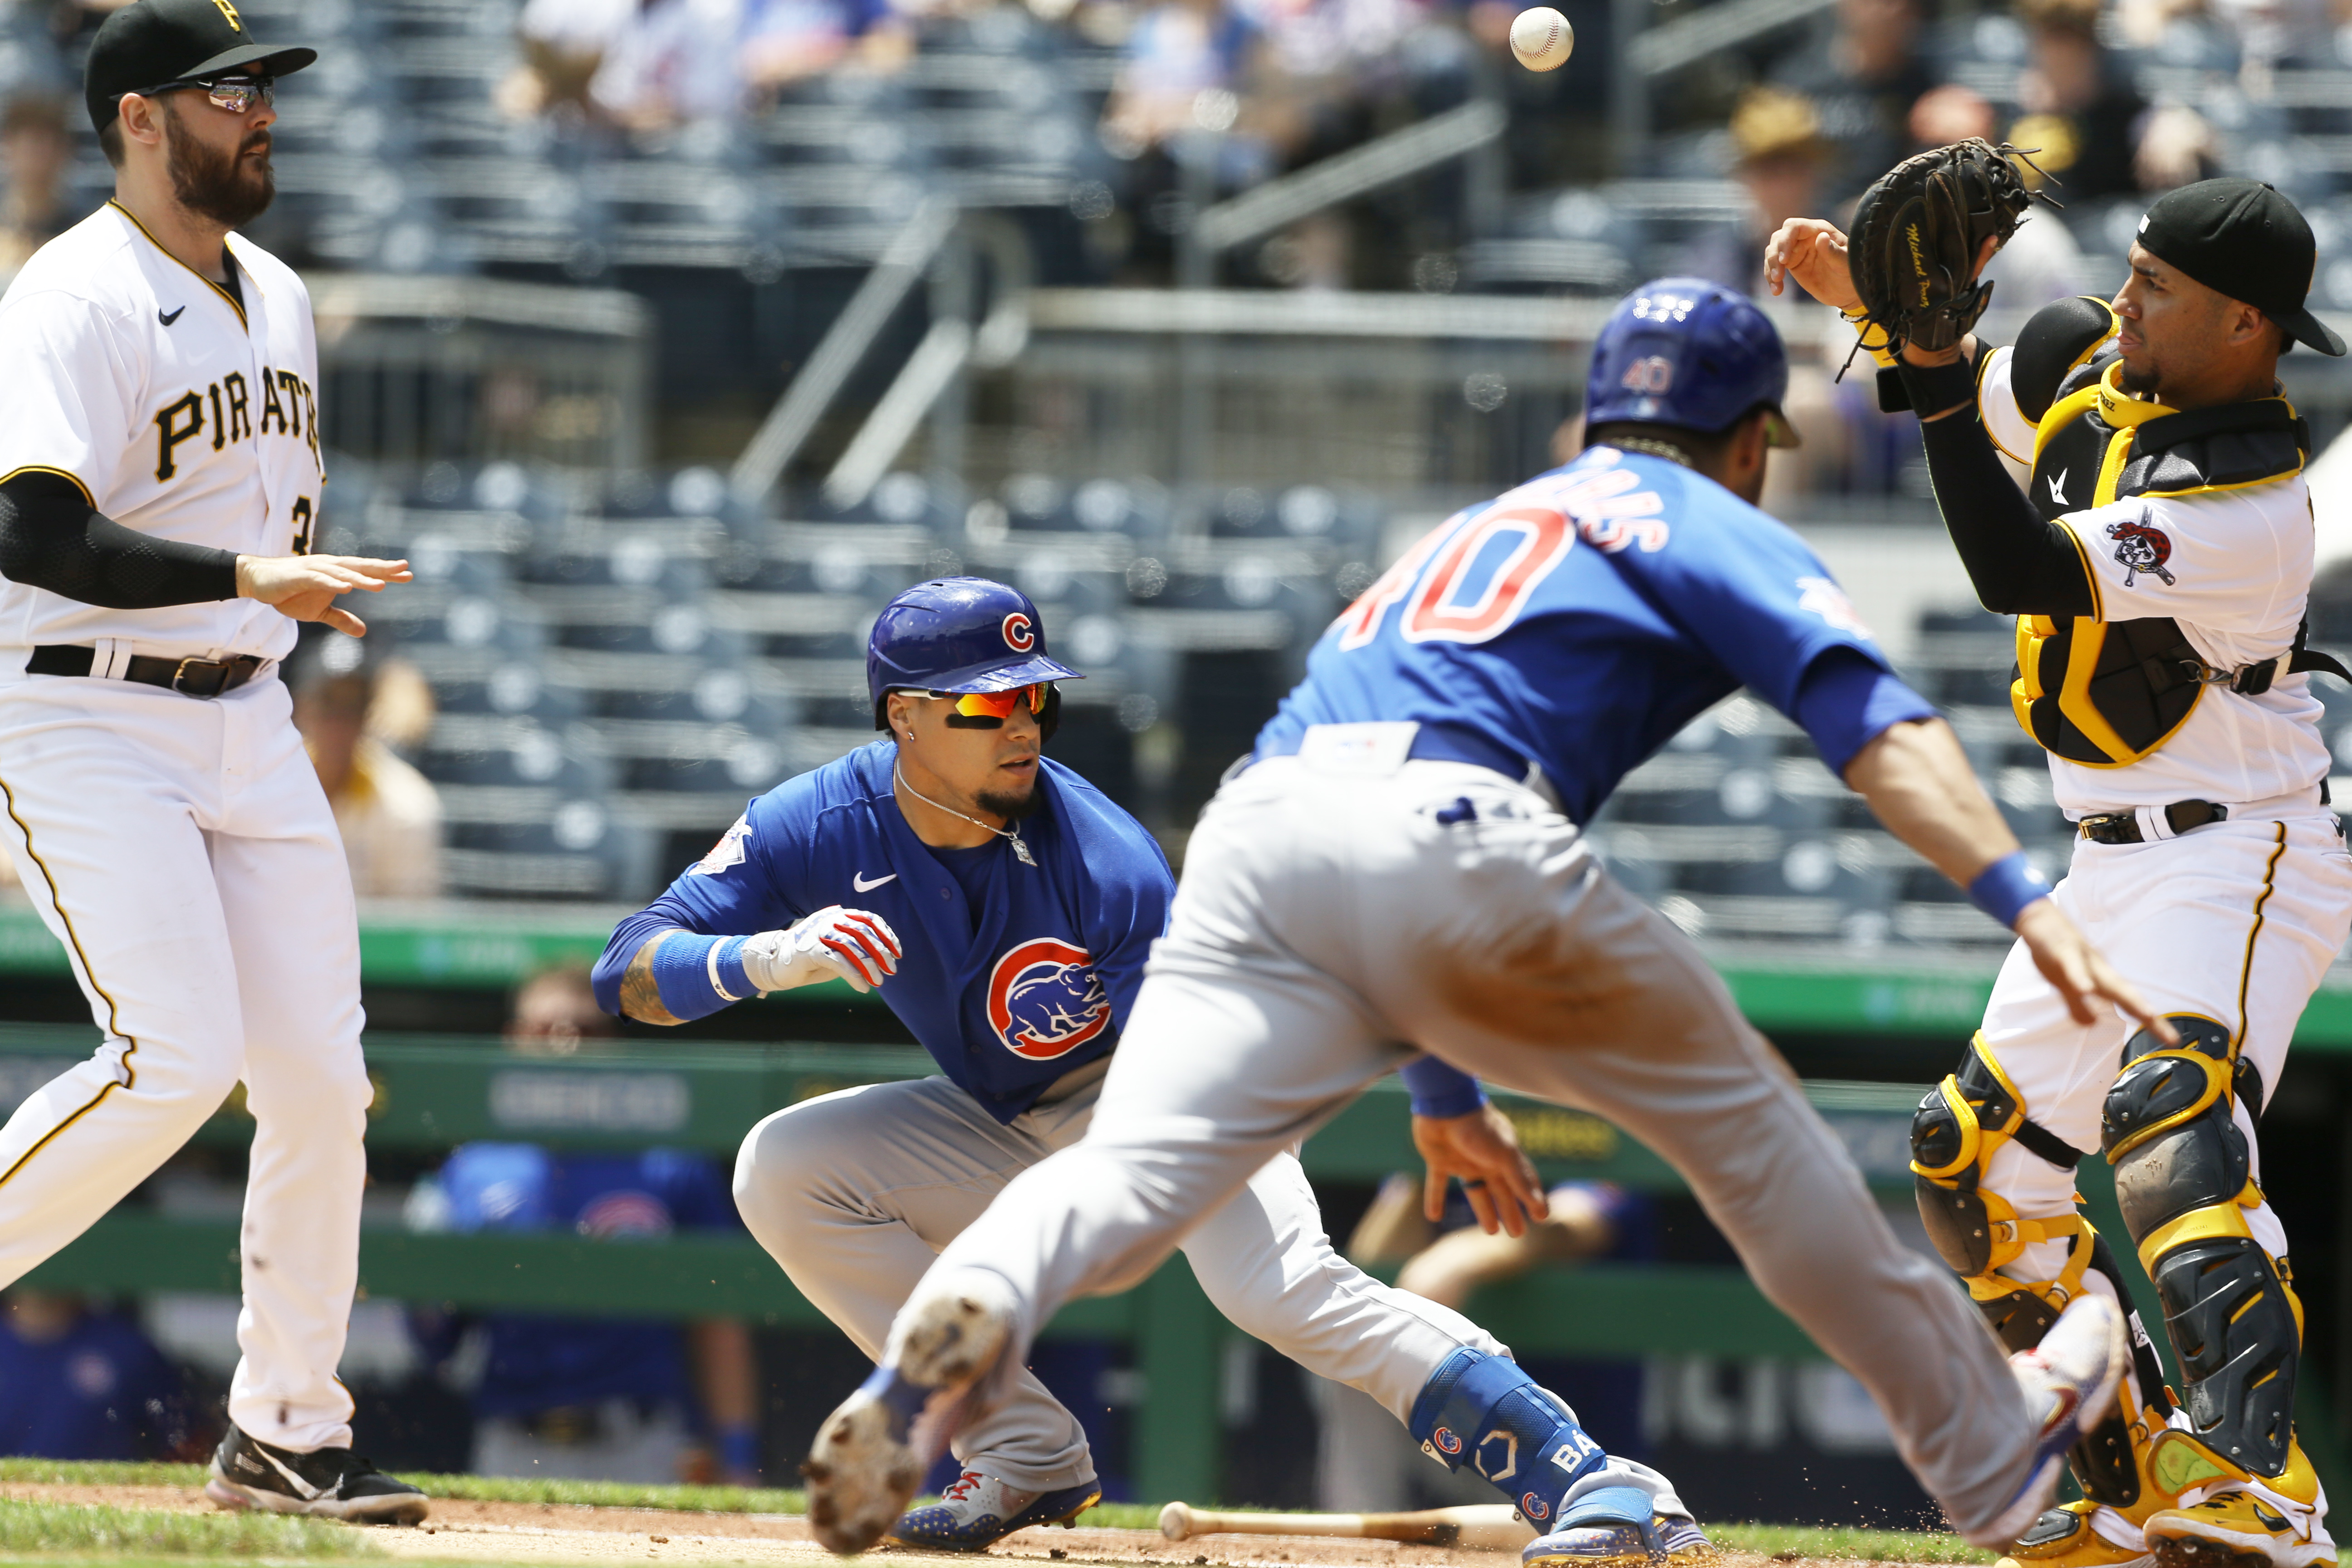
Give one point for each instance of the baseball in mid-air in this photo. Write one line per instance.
(1542, 39)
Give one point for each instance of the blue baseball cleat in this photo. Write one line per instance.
(1615, 1527)
(980, 1511)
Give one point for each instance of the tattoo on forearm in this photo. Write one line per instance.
(640, 998)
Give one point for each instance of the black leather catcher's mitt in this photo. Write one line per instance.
(1916, 237)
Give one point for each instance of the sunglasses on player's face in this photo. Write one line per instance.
(237, 94)
(997, 705)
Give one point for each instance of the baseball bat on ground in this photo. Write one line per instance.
(1493, 1527)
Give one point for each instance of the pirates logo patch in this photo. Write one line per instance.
(2141, 548)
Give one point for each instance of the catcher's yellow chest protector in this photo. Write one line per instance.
(2107, 693)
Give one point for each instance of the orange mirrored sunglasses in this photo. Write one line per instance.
(998, 705)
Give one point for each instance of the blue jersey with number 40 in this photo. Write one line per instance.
(1580, 620)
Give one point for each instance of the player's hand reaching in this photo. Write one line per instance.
(1813, 252)
(2080, 975)
(1483, 1149)
(305, 587)
(832, 944)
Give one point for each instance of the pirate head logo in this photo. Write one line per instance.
(1045, 1001)
(2141, 548)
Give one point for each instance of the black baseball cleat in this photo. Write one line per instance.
(332, 1483)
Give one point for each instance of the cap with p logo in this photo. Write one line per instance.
(151, 42)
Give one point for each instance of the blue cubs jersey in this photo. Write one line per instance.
(1579, 621)
(1013, 974)
(538, 1363)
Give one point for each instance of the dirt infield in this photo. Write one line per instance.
(473, 1531)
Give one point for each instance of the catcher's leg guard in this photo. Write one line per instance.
(1957, 1129)
(1483, 1411)
(2182, 1180)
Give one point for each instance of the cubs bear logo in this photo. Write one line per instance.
(1045, 1001)
(1446, 1440)
(2141, 548)
(1534, 1507)
(1020, 632)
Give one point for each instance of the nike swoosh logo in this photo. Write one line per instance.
(174, 316)
(857, 880)
(2058, 488)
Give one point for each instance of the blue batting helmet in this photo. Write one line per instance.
(957, 634)
(1689, 352)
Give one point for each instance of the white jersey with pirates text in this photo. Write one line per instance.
(179, 411)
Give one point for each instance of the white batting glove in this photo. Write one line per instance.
(834, 943)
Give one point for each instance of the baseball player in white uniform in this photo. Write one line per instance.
(160, 480)
(2159, 563)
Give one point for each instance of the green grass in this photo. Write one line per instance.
(1862, 1545)
(1859, 1545)
(100, 1473)
(615, 1494)
(115, 1533)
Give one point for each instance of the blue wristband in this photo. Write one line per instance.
(2003, 889)
(1439, 1088)
(683, 966)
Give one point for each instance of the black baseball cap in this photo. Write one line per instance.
(2242, 239)
(151, 42)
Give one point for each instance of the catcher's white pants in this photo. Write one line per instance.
(185, 855)
(1326, 918)
(854, 1193)
(2236, 922)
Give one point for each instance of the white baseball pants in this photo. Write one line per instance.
(185, 854)
(854, 1193)
(2236, 922)
(1326, 917)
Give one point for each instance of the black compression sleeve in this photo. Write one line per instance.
(2019, 564)
(50, 538)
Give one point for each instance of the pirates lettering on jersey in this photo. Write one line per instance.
(1044, 999)
(2103, 692)
(224, 411)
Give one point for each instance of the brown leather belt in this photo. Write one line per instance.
(2123, 826)
(188, 676)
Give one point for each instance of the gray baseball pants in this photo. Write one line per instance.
(854, 1193)
(1331, 920)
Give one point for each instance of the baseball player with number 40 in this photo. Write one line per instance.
(1005, 910)
(2158, 562)
(160, 479)
(1398, 868)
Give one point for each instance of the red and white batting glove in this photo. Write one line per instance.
(834, 943)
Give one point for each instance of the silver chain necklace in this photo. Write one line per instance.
(1011, 834)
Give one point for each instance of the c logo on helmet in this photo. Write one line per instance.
(1044, 999)
(1020, 632)
(1447, 1443)
(1535, 1507)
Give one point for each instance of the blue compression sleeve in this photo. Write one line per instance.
(1845, 701)
(696, 975)
(1439, 1090)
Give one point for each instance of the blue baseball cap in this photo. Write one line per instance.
(1689, 352)
(957, 634)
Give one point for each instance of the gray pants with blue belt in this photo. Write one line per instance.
(1333, 918)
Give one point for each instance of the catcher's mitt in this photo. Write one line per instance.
(1916, 237)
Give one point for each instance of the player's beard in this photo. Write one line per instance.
(226, 187)
(1012, 808)
(2139, 382)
